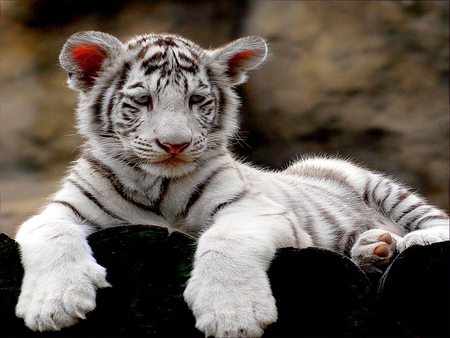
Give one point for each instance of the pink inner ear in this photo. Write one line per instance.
(238, 60)
(89, 57)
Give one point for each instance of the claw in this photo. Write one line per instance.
(81, 315)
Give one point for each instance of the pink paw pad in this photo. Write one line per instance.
(383, 250)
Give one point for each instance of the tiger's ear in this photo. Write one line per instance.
(240, 56)
(84, 55)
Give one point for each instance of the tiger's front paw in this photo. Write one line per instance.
(52, 301)
(234, 307)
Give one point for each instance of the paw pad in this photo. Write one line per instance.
(383, 250)
(386, 238)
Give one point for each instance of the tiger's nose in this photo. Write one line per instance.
(172, 148)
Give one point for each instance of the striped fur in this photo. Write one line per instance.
(158, 113)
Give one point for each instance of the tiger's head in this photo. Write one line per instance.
(158, 101)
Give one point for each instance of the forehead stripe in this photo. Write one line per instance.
(158, 56)
(143, 52)
(136, 85)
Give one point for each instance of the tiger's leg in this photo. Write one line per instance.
(409, 213)
(420, 222)
(61, 275)
(404, 212)
(229, 291)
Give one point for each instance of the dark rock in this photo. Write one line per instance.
(414, 293)
(11, 273)
(318, 292)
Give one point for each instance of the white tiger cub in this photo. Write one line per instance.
(157, 114)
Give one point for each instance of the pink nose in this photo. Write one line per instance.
(172, 148)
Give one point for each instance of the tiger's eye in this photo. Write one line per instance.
(196, 99)
(144, 99)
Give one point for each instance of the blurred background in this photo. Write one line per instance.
(367, 80)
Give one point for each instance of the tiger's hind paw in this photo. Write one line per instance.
(374, 250)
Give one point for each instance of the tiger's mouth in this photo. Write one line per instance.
(168, 160)
(174, 160)
(163, 161)
(172, 165)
